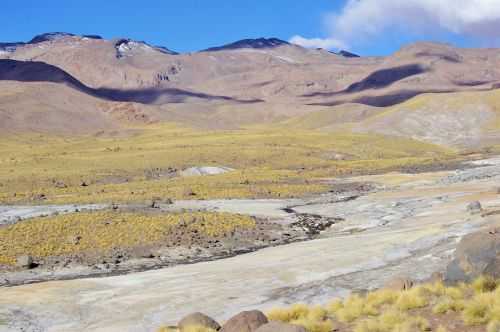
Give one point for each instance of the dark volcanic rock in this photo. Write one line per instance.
(49, 37)
(250, 43)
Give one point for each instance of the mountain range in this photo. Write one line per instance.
(66, 83)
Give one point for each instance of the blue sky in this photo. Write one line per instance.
(191, 25)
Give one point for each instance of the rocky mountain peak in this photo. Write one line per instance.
(49, 36)
(258, 43)
(126, 47)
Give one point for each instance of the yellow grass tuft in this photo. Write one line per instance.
(335, 306)
(477, 311)
(314, 319)
(447, 304)
(484, 284)
(385, 310)
(312, 325)
(286, 315)
(412, 299)
(352, 309)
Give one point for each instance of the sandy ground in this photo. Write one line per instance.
(409, 226)
(13, 214)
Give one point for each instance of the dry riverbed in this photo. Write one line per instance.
(404, 224)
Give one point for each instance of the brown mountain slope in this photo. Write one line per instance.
(50, 108)
(260, 82)
(277, 73)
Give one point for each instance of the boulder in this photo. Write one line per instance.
(474, 207)
(246, 321)
(477, 254)
(205, 170)
(198, 319)
(280, 327)
(399, 284)
(24, 262)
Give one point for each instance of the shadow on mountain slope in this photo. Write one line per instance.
(32, 71)
(377, 80)
(385, 77)
(383, 100)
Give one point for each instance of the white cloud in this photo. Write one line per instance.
(327, 43)
(361, 20)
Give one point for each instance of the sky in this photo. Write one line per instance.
(366, 27)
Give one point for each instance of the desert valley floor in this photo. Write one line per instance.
(408, 224)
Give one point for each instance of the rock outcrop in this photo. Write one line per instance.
(198, 319)
(246, 321)
(477, 254)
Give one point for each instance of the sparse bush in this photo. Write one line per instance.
(447, 304)
(286, 315)
(397, 311)
(382, 297)
(484, 284)
(412, 299)
(312, 325)
(477, 310)
(392, 318)
(351, 310)
(392, 321)
(335, 306)
(314, 319)
(456, 293)
(436, 288)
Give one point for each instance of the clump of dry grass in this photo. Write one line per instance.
(484, 284)
(312, 325)
(354, 307)
(392, 320)
(388, 310)
(412, 299)
(314, 319)
(448, 304)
